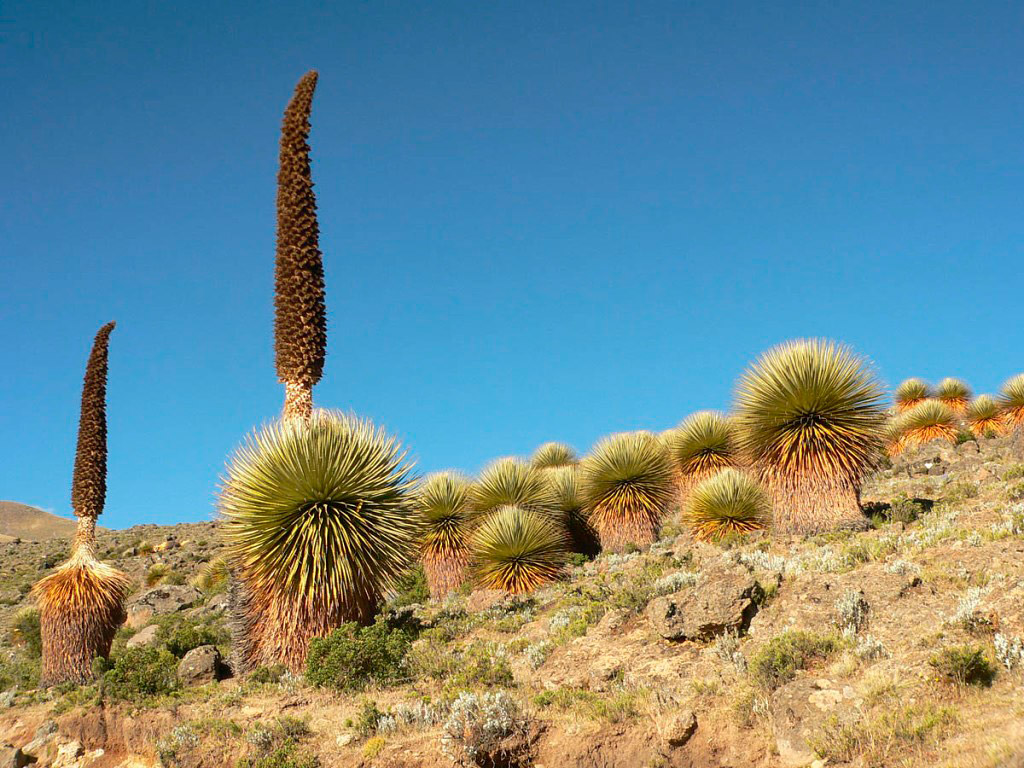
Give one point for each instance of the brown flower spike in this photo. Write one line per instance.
(89, 482)
(300, 322)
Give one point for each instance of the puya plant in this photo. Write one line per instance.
(627, 483)
(568, 500)
(727, 503)
(442, 501)
(1011, 402)
(81, 604)
(553, 455)
(985, 418)
(954, 393)
(316, 506)
(810, 422)
(701, 446)
(910, 393)
(927, 421)
(517, 551)
(512, 482)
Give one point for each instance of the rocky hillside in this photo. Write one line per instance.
(20, 521)
(897, 646)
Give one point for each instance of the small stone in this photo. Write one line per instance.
(680, 728)
(726, 601)
(11, 757)
(160, 601)
(344, 739)
(200, 666)
(144, 637)
(6, 699)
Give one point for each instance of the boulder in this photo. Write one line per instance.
(725, 599)
(800, 708)
(200, 666)
(159, 601)
(12, 757)
(144, 637)
(679, 728)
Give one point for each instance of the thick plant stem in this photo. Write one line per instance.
(298, 401)
(808, 505)
(276, 629)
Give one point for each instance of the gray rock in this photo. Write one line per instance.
(7, 699)
(800, 708)
(160, 601)
(680, 728)
(200, 666)
(144, 638)
(725, 599)
(11, 757)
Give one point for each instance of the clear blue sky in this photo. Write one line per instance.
(540, 220)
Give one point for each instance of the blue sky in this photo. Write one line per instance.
(540, 220)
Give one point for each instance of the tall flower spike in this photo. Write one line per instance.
(300, 321)
(89, 481)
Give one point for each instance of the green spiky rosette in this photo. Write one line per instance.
(516, 551)
(627, 484)
(730, 502)
(809, 417)
(318, 526)
(442, 501)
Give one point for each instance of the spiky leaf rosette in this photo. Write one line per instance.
(910, 393)
(702, 445)
(729, 502)
(627, 483)
(300, 320)
(809, 418)
(512, 482)
(89, 481)
(893, 439)
(1011, 400)
(565, 485)
(442, 500)
(516, 550)
(552, 455)
(954, 393)
(318, 525)
(927, 421)
(985, 418)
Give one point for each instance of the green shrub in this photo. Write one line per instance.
(267, 674)
(25, 632)
(1015, 492)
(905, 510)
(1014, 472)
(965, 436)
(368, 718)
(778, 660)
(280, 746)
(963, 665)
(18, 672)
(480, 664)
(353, 656)
(141, 672)
(411, 590)
(180, 634)
(956, 492)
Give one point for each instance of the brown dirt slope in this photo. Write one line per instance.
(20, 521)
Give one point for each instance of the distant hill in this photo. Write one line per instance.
(20, 521)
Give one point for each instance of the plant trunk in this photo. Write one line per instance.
(298, 401)
(810, 505)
